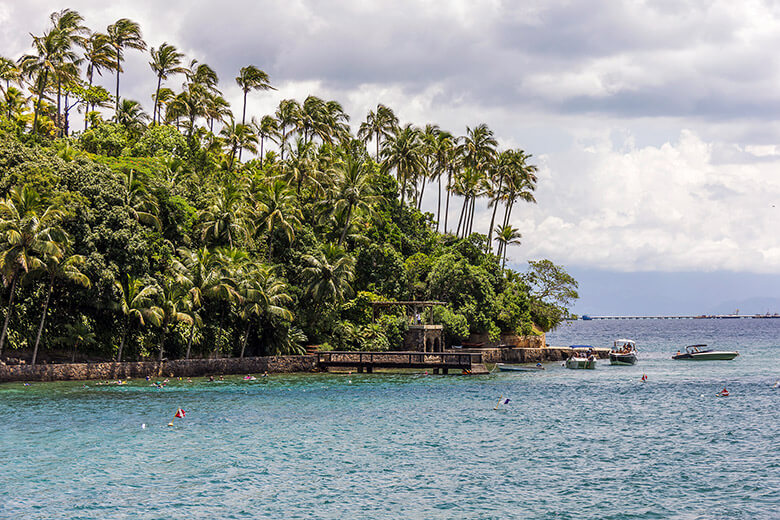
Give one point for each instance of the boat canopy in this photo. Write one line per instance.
(622, 342)
(694, 348)
(580, 346)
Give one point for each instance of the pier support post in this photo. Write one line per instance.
(360, 370)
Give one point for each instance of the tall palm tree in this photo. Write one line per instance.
(172, 299)
(288, 115)
(300, 168)
(506, 236)
(60, 265)
(252, 78)
(189, 105)
(520, 185)
(495, 186)
(378, 125)
(136, 303)
(166, 60)
(276, 208)
(124, 34)
(68, 26)
(267, 128)
(216, 108)
(139, 201)
(329, 274)
(264, 295)
(354, 190)
(428, 141)
(28, 231)
(403, 152)
(442, 150)
(41, 67)
(239, 137)
(76, 334)
(98, 55)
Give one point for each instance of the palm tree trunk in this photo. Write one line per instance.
(118, 66)
(162, 341)
(189, 340)
(346, 225)
(8, 313)
(281, 144)
(219, 332)
(73, 355)
(124, 338)
(462, 214)
(503, 263)
(377, 148)
(422, 192)
(43, 320)
(66, 115)
(262, 141)
(447, 206)
(438, 206)
(501, 245)
(471, 215)
(490, 231)
(246, 339)
(59, 106)
(243, 113)
(155, 117)
(42, 87)
(403, 188)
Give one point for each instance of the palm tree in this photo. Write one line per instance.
(428, 139)
(28, 230)
(288, 115)
(227, 218)
(60, 265)
(124, 34)
(42, 65)
(136, 302)
(166, 60)
(139, 201)
(216, 108)
(378, 125)
(264, 295)
(354, 189)
(190, 105)
(443, 158)
(251, 78)
(329, 274)
(300, 166)
(267, 128)
(98, 55)
(16, 104)
(8, 72)
(506, 236)
(403, 152)
(495, 186)
(276, 208)
(520, 183)
(67, 25)
(172, 300)
(76, 334)
(132, 116)
(239, 137)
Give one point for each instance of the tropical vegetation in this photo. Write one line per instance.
(194, 231)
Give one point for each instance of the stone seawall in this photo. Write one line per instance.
(528, 355)
(141, 369)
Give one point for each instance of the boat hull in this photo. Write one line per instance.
(580, 363)
(622, 359)
(707, 356)
(515, 368)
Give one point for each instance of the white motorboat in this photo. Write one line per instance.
(701, 353)
(576, 362)
(623, 352)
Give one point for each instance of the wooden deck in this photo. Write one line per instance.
(436, 361)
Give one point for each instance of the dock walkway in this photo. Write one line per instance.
(436, 361)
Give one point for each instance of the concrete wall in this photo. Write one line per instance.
(509, 339)
(177, 368)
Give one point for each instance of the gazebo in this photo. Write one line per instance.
(423, 335)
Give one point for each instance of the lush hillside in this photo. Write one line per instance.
(188, 232)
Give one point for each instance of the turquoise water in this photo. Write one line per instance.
(569, 445)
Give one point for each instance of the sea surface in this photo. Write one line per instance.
(570, 444)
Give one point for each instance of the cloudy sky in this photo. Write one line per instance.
(654, 124)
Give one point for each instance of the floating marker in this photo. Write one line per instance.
(143, 426)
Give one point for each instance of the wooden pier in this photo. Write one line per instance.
(438, 362)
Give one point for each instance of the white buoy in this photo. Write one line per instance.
(143, 426)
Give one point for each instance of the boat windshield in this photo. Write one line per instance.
(694, 348)
(624, 344)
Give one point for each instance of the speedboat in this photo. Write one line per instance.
(576, 362)
(519, 368)
(701, 353)
(623, 352)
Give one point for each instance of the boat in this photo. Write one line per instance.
(519, 368)
(576, 362)
(623, 352)
(701, 353)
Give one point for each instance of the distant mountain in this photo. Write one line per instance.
(758, 305)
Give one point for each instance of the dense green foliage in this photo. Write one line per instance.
(182, 234)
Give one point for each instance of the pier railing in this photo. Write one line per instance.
(444, 360)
